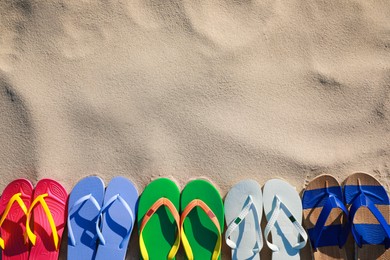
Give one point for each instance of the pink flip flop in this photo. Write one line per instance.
(14, 204)
(48, 209)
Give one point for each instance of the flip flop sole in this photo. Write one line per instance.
(160, 232)
(44, 248)
(83, 217)
(365, 222)
(245, 235)
(13, 227)
(199, 229)
(283, 234)
(335, 220)
(116, 221)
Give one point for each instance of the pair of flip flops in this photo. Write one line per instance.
(244, 205)
(100, 220)
(198, 226)
(330, 215)
(35, 215)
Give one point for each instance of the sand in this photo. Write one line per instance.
(222, 90)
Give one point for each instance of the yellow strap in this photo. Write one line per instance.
(187, 248)
(171, 254)
(46, 209)
(160, 202)
(16, 197)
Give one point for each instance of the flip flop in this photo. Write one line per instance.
(117, 219)
(201, 220)
(158, 220)
(369, 210)
(283, 211)
(84, 205)
(14, 203)
(325, 217)
(243, 212)
(48, 212)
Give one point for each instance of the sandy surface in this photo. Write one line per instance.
(223, 90)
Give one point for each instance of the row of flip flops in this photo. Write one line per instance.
(330, 214)
(100, 219)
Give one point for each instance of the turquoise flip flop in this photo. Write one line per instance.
(84, 207)
(117, 219)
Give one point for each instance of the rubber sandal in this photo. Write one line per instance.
(47, 210)
(158, 220)
(325, 217)
(84, 205)
(369, 210)
(243, 211)
(283, 211)
(14, 203)
(201, 220)
(117, 219)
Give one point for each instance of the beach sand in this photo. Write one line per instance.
(184, 89)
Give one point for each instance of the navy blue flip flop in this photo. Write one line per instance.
(369, 215)
(325, 217)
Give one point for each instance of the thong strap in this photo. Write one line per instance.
(105, 207)
(80, 201)
(249, 207)
(41, 200)
(279, 207)
(187, 248)
(364, 201)
(15, 198)
(153, 209)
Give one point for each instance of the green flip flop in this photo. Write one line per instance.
(158, 220)
(201, 221)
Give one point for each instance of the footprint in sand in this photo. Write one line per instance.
(156, 14)
(229, 23)
(79, 40)
(81, 37)
(14, 16)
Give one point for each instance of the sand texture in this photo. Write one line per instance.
(216, 89)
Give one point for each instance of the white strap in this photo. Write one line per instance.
(250, 206)
(271, 224)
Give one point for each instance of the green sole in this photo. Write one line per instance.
(199, 229)
(160, 232)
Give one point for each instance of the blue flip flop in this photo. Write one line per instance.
(369, 208)
(118, 215)
(84, 207)
(325, 217)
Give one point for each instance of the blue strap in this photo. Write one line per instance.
(376, 193)
(317, 198)
(316, 233)
(77, 203)
(105, 208)
(363, 201)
